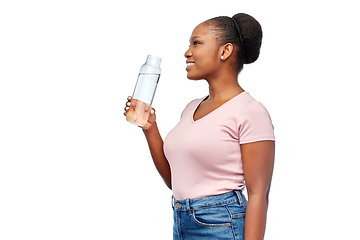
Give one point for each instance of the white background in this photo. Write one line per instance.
(71, 167)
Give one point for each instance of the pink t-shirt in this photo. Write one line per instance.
(204, 155)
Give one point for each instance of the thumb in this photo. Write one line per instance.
(151, 120)
(152, 116)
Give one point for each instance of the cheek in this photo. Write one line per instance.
(206, 63)
(205, 58)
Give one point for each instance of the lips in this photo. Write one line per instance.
(189, 64)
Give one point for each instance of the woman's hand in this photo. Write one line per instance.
(130, 109)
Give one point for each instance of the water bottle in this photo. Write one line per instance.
(144, 92)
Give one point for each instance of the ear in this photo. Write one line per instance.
(226, 51)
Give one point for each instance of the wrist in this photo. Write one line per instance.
(148, 129)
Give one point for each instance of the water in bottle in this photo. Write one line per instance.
(144, 92)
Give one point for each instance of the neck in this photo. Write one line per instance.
(221, 90)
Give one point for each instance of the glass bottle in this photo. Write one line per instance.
(144, 91)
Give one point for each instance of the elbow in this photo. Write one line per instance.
(260, 194)
(168, 184)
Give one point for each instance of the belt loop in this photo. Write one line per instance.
(172, 201)
(238, 194)
(188, 206)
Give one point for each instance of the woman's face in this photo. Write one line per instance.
(203, 54)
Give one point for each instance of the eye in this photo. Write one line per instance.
(194, 43)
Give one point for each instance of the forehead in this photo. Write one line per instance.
(202, 30)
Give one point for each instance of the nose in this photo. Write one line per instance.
(188, 53)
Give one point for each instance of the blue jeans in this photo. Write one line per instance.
(215, 217)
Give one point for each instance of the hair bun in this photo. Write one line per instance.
(251, 33)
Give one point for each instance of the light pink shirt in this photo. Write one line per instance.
(204, 155)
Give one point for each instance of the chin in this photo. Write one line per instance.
(193, 77)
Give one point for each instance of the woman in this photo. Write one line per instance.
(222, 141)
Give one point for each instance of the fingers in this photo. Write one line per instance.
(127, 105)
(131, 105)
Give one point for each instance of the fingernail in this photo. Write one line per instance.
(152, 111)
(129, 98)
(128, 104)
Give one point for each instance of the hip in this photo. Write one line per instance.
(217, 217)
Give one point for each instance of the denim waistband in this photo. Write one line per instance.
(216, 200)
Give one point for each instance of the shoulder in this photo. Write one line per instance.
(191, 106)
(194, 103)
(245, 103)
(254, 121)
(255, 108)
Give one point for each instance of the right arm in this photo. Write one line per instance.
(156, 143)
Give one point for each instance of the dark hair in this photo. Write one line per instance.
(251, 35)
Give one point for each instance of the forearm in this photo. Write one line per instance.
(255, 217)
(155, 142)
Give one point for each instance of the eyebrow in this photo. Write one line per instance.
(192, 39)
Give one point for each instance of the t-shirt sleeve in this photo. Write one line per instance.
(256, 124)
